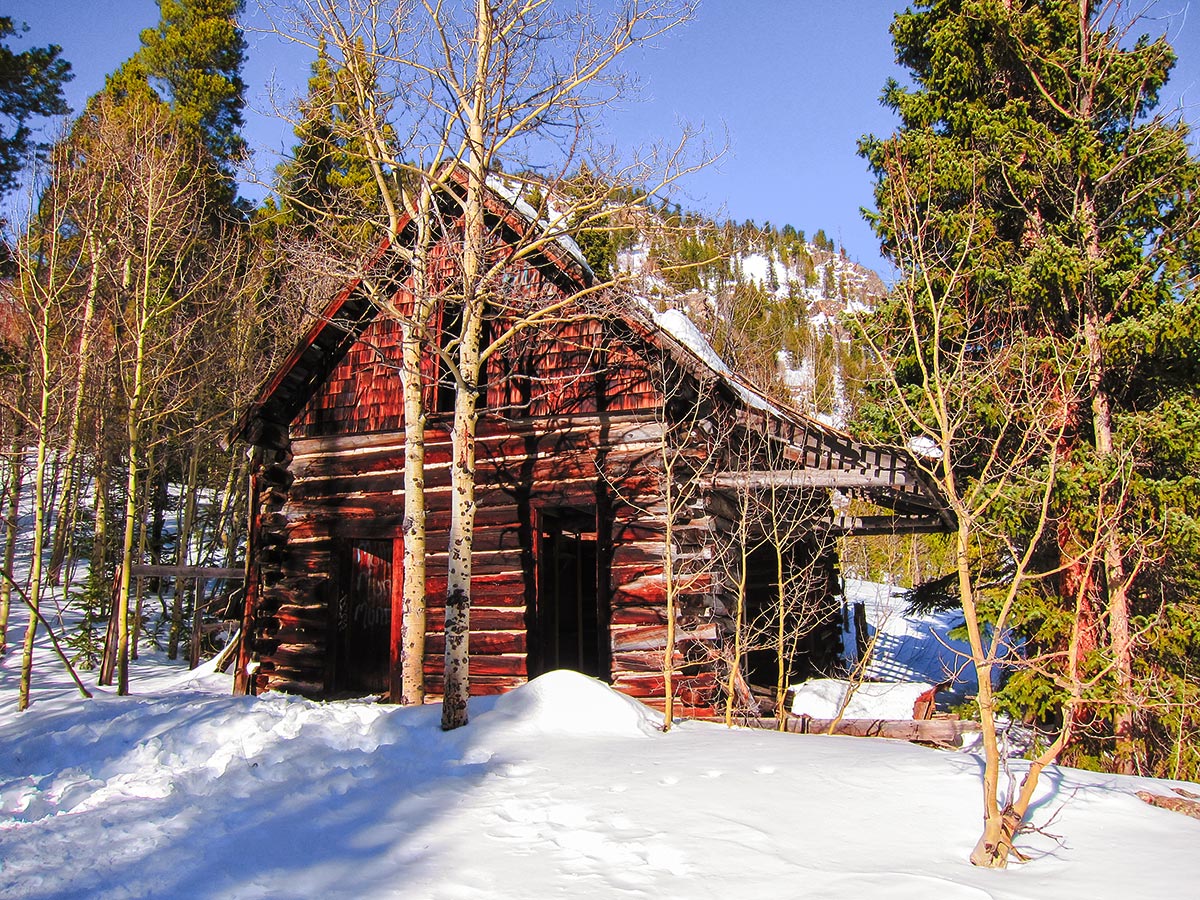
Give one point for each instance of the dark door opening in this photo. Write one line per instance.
(365, 618)
(570, 627)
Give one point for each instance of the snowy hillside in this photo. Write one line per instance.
(562, 788)
(751, 290)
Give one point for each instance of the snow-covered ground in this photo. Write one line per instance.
(905, 647)
(562, 788)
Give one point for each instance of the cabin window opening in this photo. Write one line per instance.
(571, 632)
(364, 618)
(449, 333)
(447, 387)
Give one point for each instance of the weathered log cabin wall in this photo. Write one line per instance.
(576, 416)
(573, 423)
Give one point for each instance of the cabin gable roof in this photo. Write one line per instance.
(347, 315)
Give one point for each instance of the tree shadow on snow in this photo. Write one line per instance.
(312, 812)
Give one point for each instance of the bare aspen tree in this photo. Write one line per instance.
(44, 287)
(999, 482)
(15, 397)
(472, 91)
(779, 572)
(87, 198)
(160, 176)
(361, 42)
(14, 480)
(687, 447)
(740, 546)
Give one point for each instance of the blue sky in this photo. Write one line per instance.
(793, 83)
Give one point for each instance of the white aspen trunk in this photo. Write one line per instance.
(183, 552)
(462, 536)
(457, 688)
(739, 613)
(133, 432)
(126, 565)
(669, 583)
(99, 555)
(413, 624)
(39, 514)
(226, 516)
(139, 584)
(16, 478)
(782, 654)
(69, 504)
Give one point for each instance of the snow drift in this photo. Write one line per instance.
(562, 788)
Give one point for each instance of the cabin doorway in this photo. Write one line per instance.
(364, 632)
(571, 629)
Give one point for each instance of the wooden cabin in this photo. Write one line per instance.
(611, 444)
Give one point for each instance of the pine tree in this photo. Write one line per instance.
(194, 60)
(30, 85)
(1030, 131)
(328, 183)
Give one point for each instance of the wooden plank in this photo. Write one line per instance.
(638, 615)
(511, 619)
(654, 637)
(482, 642)
(694, 690)
(844, 526)
(151, 571)
(806, 478)
(615, 426)
(481, 685)
(642, 661)
(482, 665)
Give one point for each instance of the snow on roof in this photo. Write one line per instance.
(683, 330)
(925, 447)
(512, 195)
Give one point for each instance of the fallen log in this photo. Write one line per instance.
(927, 731)
(1183, 804)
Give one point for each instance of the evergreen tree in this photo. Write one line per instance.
(1029, 130)
(30, 85)
(194, 60)
(328, 184)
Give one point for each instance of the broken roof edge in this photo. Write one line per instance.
(327, 318)
(500, 184)
(678, 327)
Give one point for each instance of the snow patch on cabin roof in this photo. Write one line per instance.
(512, 195)
(925, 447)
(683, 330)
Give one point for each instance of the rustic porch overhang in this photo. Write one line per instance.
(825, 457)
